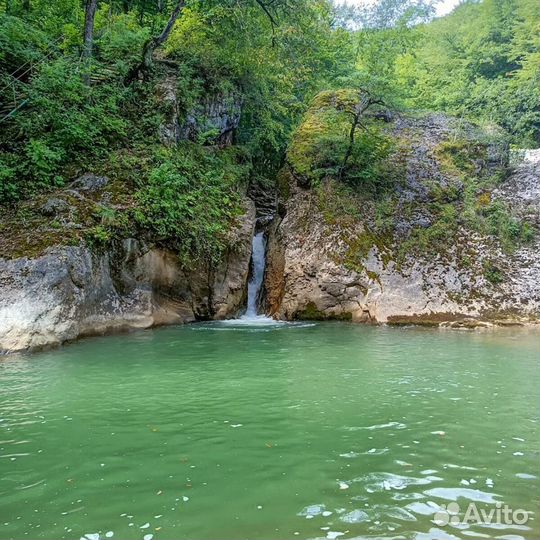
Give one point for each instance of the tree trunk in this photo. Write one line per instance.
(153, 43)
(157, 41)
(361, 107)
(88, 36)
(354, 125)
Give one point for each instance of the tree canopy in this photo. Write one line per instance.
(67, 108)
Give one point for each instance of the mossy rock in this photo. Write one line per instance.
(27, 231)
(312, 313)
(320, 143)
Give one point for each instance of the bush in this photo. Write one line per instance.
(320, 143)
(190, 199)
(64, 123)
(509, 229)
(493, 273)
(18, 45)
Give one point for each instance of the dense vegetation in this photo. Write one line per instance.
(481, 62)
(68, 108)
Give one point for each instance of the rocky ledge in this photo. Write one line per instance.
(325, 264)
(73, 291)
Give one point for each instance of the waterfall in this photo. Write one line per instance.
(258, 256)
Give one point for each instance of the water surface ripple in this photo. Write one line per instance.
(268, 432)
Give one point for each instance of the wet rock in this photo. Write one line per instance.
(265, 198)
(468, 324)
(229, 280)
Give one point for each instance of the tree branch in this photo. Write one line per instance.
(271, 18)
(154, 42)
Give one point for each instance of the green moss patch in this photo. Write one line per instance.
(312, 313)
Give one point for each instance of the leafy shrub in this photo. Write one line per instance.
(18, 45)
(98, 236)
(122, 39)
(500, 223)
(65, 123)
(493, 273)
(461, 155)
(190, 199)
(431, 239)
(8, 178)
(467, 159)
(321, 142)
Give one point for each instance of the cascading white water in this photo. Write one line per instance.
(258, 255)
(250, 319)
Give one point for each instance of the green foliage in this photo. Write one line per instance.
(298, 83)
(190, 200)
(466, 159)
(120, 38)
(219, 56)
(481, 61)
(99, 236)
(496, 220)
(75, 125)
(440, 234)
(493, 273)
(17, 45)
(65, 123)
(461, 155)
(320, 144)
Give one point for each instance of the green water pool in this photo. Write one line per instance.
(223, 431)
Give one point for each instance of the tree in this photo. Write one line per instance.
(389, 28)
(337, 140)
(88, 36)
(356, 111)
(150, 46)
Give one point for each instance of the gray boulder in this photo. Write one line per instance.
(54, 206)
(89, 182)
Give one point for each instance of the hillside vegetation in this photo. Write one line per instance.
(302, 75)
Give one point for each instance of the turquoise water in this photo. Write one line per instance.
(311, 431)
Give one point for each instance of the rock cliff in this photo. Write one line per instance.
(410, 255)
(327, 261)
(73, 291)
(211, 121)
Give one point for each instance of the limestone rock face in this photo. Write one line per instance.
(70, 292)
(229, 279)
(169, 130)
(310, 275)
(54, 206)
(89, 182)
(213, 120)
